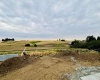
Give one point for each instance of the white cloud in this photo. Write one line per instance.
(11, 28)
(55, 18)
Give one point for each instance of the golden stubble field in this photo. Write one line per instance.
(18, 46)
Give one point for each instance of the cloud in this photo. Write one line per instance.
(50, 18)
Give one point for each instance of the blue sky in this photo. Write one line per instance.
(49, 19)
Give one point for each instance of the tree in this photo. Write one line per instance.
(90, 38)
(90, 43)
(98, 38)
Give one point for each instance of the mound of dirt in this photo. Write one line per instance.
(14, 63)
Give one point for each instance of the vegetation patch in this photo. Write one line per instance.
(27, 45)
(34, 42)
(90, 43)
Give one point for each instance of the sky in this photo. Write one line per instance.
(49, 19)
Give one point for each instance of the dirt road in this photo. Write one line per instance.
(46, 68)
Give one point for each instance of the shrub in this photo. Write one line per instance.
(35, 45)
(27, 45)
(62, 40)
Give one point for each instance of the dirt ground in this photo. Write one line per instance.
(0, 62)
(40, 68)
(45, 68)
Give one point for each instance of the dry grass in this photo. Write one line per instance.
(18, 46)
(54, 48)
(84, 56)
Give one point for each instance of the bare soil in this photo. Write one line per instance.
(44, 68)
(40, 68)
(14, 64)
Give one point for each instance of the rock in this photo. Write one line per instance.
(82, 71)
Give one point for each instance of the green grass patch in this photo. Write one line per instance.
(34, 42)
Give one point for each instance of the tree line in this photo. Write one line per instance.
(91, 42)
(8, 39)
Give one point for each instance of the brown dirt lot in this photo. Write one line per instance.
(45, 68)
(42, 68)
